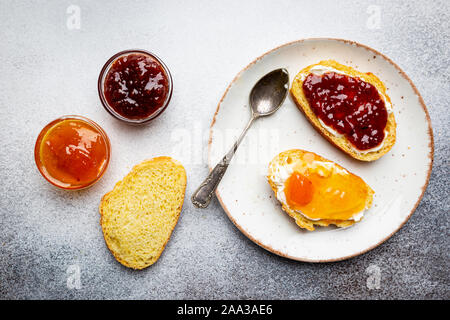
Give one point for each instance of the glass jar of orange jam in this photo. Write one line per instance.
(72, 152)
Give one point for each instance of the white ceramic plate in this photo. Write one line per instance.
(399, 178)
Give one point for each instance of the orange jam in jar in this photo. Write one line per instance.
(72, 152)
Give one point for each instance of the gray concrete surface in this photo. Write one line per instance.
(49, 68)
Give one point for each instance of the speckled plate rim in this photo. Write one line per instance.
(430, 155)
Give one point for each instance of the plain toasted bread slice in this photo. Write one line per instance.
(293, 156)
(342, 142)
(140, 213)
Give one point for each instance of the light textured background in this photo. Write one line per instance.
(48, 70)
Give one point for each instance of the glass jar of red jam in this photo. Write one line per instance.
(135, 86)
(72, 152)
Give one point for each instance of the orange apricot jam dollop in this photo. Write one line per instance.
(72, 153)
(299, 190)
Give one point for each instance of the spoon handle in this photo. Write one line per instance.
(202, 197)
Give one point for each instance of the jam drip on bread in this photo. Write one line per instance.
(348, 105)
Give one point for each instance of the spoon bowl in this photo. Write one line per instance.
(269, 93)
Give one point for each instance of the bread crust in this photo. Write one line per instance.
(301, 220)
(105, 198)
(343, 143)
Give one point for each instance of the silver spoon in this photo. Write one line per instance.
(266, 97)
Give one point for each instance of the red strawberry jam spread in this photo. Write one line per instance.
(136, 86)
(348, 105)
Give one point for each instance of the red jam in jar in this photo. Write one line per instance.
(348, 105)
(136, 86)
